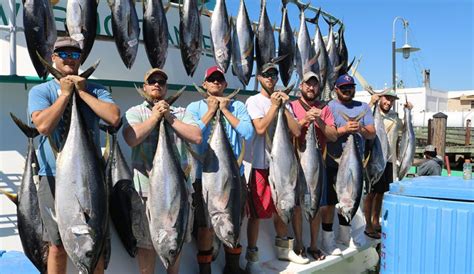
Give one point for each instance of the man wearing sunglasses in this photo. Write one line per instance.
(46, 105)
(263, 109)
(363, 129)
(308, 109)
(238, 128)
(141, 134)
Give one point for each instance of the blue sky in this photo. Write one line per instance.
(443, 30)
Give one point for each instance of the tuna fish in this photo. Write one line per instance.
(81, 22)
(378, 151)
(264, 39)
(221, 35)
(349, 180)
(40, 32)
(313, 173)
(30, 225)
(221, 183)
(286, 47)
(81, 194)
(126, 29)
(190, 35)
(123, 195)
(320, 48)
(342, 52)
(242, 44)
(155, 32)
(283, 168)
(168, 206)
(407, 145)
(306, 59)
(333, 64)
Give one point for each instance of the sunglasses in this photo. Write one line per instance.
(213, 78)
(346, 88)
(152, 82)
(73, 55)
(270, 74)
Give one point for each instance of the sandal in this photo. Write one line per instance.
(378, 229)
(316, 254)
(373, 235)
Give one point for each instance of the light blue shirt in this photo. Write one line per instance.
(44, 95)
(244, 130)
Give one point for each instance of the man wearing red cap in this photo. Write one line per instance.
(308, 110)
(46, 105)
(263, 109)
(362, 129)
(140, 124)
(238, 128)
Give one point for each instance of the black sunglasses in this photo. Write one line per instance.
(270, 74)
(346, 88)
(212, 78)
(152, 82)
(73, 55)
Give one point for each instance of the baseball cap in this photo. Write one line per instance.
(268, 66)
(344, 80)
(308, 75)
(155, 71)
(212, 70)
(392, 94)
(66, 42)
(430, 148)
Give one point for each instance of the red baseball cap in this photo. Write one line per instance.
(212, 70)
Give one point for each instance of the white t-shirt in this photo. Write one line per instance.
(257, 106)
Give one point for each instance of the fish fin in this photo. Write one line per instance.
(84, 211)
(201, 91)
(107, 149)
(56, 73)
(171, 99)
(30, 132)
(352, 63)
(145, 96)
(288, 89)
(278, 59)
(366, 160)
(315, 19)
(50, 212)
(88, 72)
(54, 148)
(233, 94)
(336, 159)
(12, 197)
(241, 155)
(193, 153)
(269, 142)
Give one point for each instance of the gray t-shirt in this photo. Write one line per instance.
(431, 167)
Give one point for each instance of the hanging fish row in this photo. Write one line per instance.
(235, 41)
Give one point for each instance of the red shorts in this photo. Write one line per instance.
(260, 203)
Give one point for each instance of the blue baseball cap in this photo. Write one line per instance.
(345, 80)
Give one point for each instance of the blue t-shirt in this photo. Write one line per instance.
(244, 128)
(42, 97)
(352, 110)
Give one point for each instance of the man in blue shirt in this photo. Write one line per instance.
(238, 127)
(364, 129)
(46, 105)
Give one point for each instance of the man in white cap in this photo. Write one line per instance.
(373, 200)
(141, 134)
(308, 109)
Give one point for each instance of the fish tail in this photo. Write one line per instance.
(30, 132)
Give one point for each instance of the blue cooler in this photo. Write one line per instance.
(428, 226)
